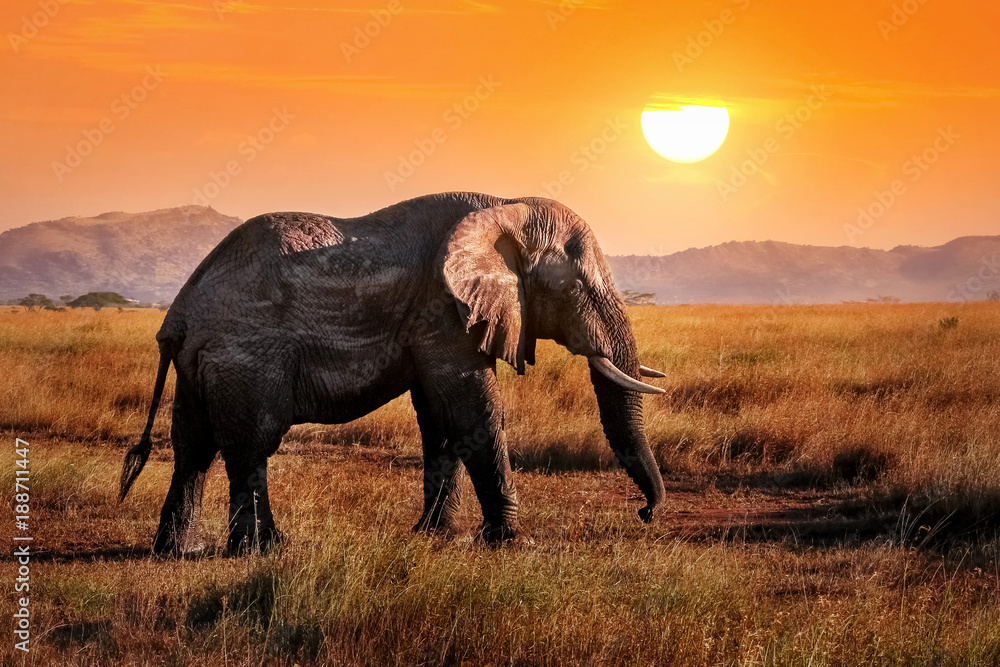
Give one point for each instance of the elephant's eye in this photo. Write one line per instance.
(575, 287)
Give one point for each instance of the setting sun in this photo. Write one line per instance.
(688, 134)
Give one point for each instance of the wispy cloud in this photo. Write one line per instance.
(455, 8)
(115, 37)
(117, 25)
(578, 4)
(881, 93)
(355, 84)
(784, 95)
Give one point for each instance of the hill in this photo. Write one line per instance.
(771, 272)
(144, 256)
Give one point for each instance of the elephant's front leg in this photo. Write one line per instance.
(484, 453)
(442, 471)
(469, 408)
(251, 524)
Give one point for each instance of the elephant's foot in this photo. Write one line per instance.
(242, 542)
(436, 525)
(505, 534)
(171, 542)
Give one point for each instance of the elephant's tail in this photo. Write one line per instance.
(136, 457)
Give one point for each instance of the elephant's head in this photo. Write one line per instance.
(533, 269)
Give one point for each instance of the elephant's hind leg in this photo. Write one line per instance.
(250, 411)
(442, 471)
(194, 451)
(251, 524)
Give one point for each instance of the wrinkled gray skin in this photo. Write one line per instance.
(296, 317)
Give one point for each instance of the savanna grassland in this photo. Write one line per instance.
(833, 478)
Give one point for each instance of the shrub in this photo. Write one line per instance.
(39, 301)
(98, 300)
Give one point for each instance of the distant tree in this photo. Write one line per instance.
(993, 295)
(38, 301)
(66, 298)
(883, 299)
(633, 298)
(98, 300)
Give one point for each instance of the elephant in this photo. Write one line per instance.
(299, 317)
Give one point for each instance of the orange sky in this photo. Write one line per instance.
(334, 114)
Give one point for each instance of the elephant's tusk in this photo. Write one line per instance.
(648, 372)
(610, 371)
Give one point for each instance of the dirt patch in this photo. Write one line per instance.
(762, 518)
(554, 506)
(697, 510)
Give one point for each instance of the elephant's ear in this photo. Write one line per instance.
(482, 269)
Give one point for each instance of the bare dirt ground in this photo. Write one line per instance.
(554, 506)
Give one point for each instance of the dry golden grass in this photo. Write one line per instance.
(832, 474)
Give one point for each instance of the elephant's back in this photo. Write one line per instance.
(236, 269)
(275, 266)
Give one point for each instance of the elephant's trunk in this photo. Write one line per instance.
(621, 416)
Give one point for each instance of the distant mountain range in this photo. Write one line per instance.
(771, 272)
(144, 256)
(148, 256)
